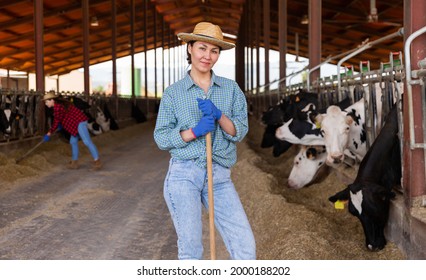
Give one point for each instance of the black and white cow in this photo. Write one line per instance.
(307, 166)
(137, 114)
(301, 131)
(108, 117)
(369, 195)
(273, 118)
(7, 117)
(93, 127)
(286, 109)
(305, 130)
(102, 120)
(269, 140)
(79, 102)
(344, 130)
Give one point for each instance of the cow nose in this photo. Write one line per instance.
(337, 159)
(375, 248)
(291, 184)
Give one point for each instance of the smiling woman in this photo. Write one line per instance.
(195, 111)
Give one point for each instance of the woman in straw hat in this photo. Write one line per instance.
(198, 104)
(74, 121)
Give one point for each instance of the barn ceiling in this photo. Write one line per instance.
(345, 25)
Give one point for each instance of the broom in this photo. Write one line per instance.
(210, 194)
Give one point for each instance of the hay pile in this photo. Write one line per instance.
(296, 224)
(288, 224)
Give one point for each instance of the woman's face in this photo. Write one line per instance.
(49, 103)
(203, 56)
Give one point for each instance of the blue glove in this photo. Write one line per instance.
(204, 126)
(46, 138)
(208, 108)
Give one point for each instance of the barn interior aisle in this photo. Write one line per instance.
(48, 212)
(115, 213)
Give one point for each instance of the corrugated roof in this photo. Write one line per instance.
(345, 25)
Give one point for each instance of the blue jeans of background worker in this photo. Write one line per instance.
(84, 134)
(186, 190)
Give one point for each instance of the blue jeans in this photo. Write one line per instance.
(186, 190)
(83, 133)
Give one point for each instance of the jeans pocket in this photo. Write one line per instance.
(221, 174)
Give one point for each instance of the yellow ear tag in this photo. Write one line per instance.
(318, 124)
(339, 205)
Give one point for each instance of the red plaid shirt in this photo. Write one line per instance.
(69, 119)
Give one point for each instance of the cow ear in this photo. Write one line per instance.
(319, 118)
(342, 195)
(349, 119)
(311, 153)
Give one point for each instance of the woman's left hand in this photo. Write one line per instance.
(208, 108)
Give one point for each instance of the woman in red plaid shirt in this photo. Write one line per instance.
(74, 121)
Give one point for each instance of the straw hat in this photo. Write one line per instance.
(207, 32)
(49, 95)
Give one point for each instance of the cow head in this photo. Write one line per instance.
(306, 166)
(7, 117)
(335, 128)
(370, 203)
(275, 115)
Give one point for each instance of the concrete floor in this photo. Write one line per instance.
(113, 214)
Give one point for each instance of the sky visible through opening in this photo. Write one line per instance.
(101, 74)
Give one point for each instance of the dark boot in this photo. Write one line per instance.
(73, 164)
(97, 164)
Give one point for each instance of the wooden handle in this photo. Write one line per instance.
(210, 194)
(29, 152)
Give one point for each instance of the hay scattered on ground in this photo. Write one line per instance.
(296, 224)
(288, 224)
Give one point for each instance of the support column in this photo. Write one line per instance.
(39, 46)
(414, 160)
(282, 41)
(251, 43)
(257, 42)
(132, 48)
(266, 41)
(86, 44)
(114, 46)
(247, 46)
(163, 27)
(315, 7)
(145, 36)
(155, 50)
(240, 63)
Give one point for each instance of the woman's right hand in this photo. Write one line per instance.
(46, 137)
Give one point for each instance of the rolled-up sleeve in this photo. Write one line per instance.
(167, 132)
(239, 116)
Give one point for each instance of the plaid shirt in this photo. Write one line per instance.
(179, 111)
(69, 119)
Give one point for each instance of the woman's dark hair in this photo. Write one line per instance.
(65, 102)
(188, 55)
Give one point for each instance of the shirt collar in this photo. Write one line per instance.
(189, 82)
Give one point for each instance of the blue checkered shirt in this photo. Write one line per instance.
(179, 111)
